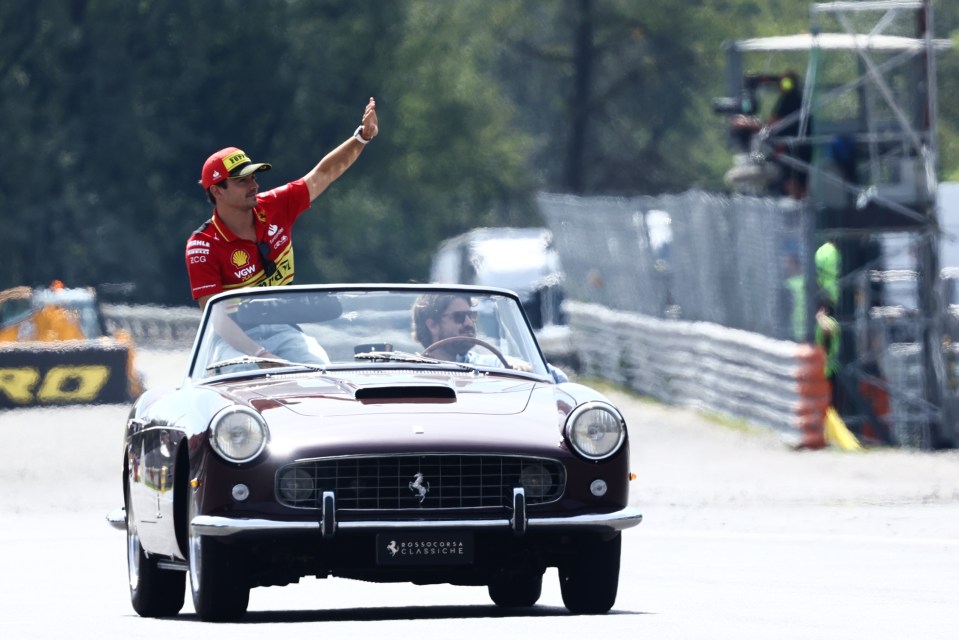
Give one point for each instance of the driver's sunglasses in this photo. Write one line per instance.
(269, 267)
(459, 317)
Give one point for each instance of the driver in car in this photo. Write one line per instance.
(438, 316)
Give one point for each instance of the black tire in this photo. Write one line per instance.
(515, 591)
(220, 593)
(589, 578)
(154, 592)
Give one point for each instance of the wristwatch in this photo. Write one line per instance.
(358, 134)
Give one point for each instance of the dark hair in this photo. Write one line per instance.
(209, 192)
(430, 306)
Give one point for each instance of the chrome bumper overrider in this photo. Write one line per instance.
(219, 526)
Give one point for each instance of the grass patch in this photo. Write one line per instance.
(734, 424)
(605, 386)
(739, 425)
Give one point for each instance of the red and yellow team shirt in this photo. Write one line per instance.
(217, 260)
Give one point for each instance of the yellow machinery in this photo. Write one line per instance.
(55, 349)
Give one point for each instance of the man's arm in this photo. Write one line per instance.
(336, 162)
(234, 335)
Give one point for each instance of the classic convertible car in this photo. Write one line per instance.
(387, 433)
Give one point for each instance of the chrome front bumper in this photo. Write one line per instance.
(222, 527)
(328, 525)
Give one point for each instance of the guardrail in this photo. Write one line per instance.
(776, 383)
(154, 326)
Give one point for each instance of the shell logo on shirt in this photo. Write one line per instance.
(244, 267)
(240, 258)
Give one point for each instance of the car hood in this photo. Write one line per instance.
(396, 412)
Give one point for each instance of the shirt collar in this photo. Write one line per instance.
(258, 221)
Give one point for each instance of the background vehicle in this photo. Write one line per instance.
(372, 461)
(55, 349)
(522, 260)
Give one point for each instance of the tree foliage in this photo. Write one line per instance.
(111, 106)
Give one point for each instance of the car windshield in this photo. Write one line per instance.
(337, 327)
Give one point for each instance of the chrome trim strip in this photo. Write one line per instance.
(625, 519)
(219, 526)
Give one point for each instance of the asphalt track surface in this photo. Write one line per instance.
(742, 538)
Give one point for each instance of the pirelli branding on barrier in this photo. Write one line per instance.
(32, 376)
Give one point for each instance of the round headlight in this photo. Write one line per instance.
(238, 434)
(595, 430)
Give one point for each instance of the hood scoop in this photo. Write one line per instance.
(390, 393)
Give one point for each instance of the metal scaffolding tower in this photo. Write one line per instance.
(863, 139)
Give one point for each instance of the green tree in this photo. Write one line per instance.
(110, 108)
(618, 92)
(449, 159)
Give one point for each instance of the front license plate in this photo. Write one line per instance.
(424, 548)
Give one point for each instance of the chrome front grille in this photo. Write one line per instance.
(435, 481)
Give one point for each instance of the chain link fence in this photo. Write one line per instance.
(694, 256)
(747, 263)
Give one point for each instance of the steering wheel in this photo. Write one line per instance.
(446, 341)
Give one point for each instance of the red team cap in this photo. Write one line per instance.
(228, 163)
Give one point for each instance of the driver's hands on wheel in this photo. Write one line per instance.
(439, 349)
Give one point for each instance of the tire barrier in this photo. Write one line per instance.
(765, 381)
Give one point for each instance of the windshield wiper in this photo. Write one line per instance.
(276, 362)
(405, 356)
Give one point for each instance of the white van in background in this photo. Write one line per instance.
(522, 260)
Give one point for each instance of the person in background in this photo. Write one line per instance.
(789, 103)
(828, 336)
(828, 267)
(793, 180)
(247, 241)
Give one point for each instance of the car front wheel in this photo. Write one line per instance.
(154, 592)
(220, 593)
(589, 577)
(516, 590)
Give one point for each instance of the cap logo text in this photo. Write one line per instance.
(234, 159)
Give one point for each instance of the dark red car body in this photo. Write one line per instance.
(384, 470)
